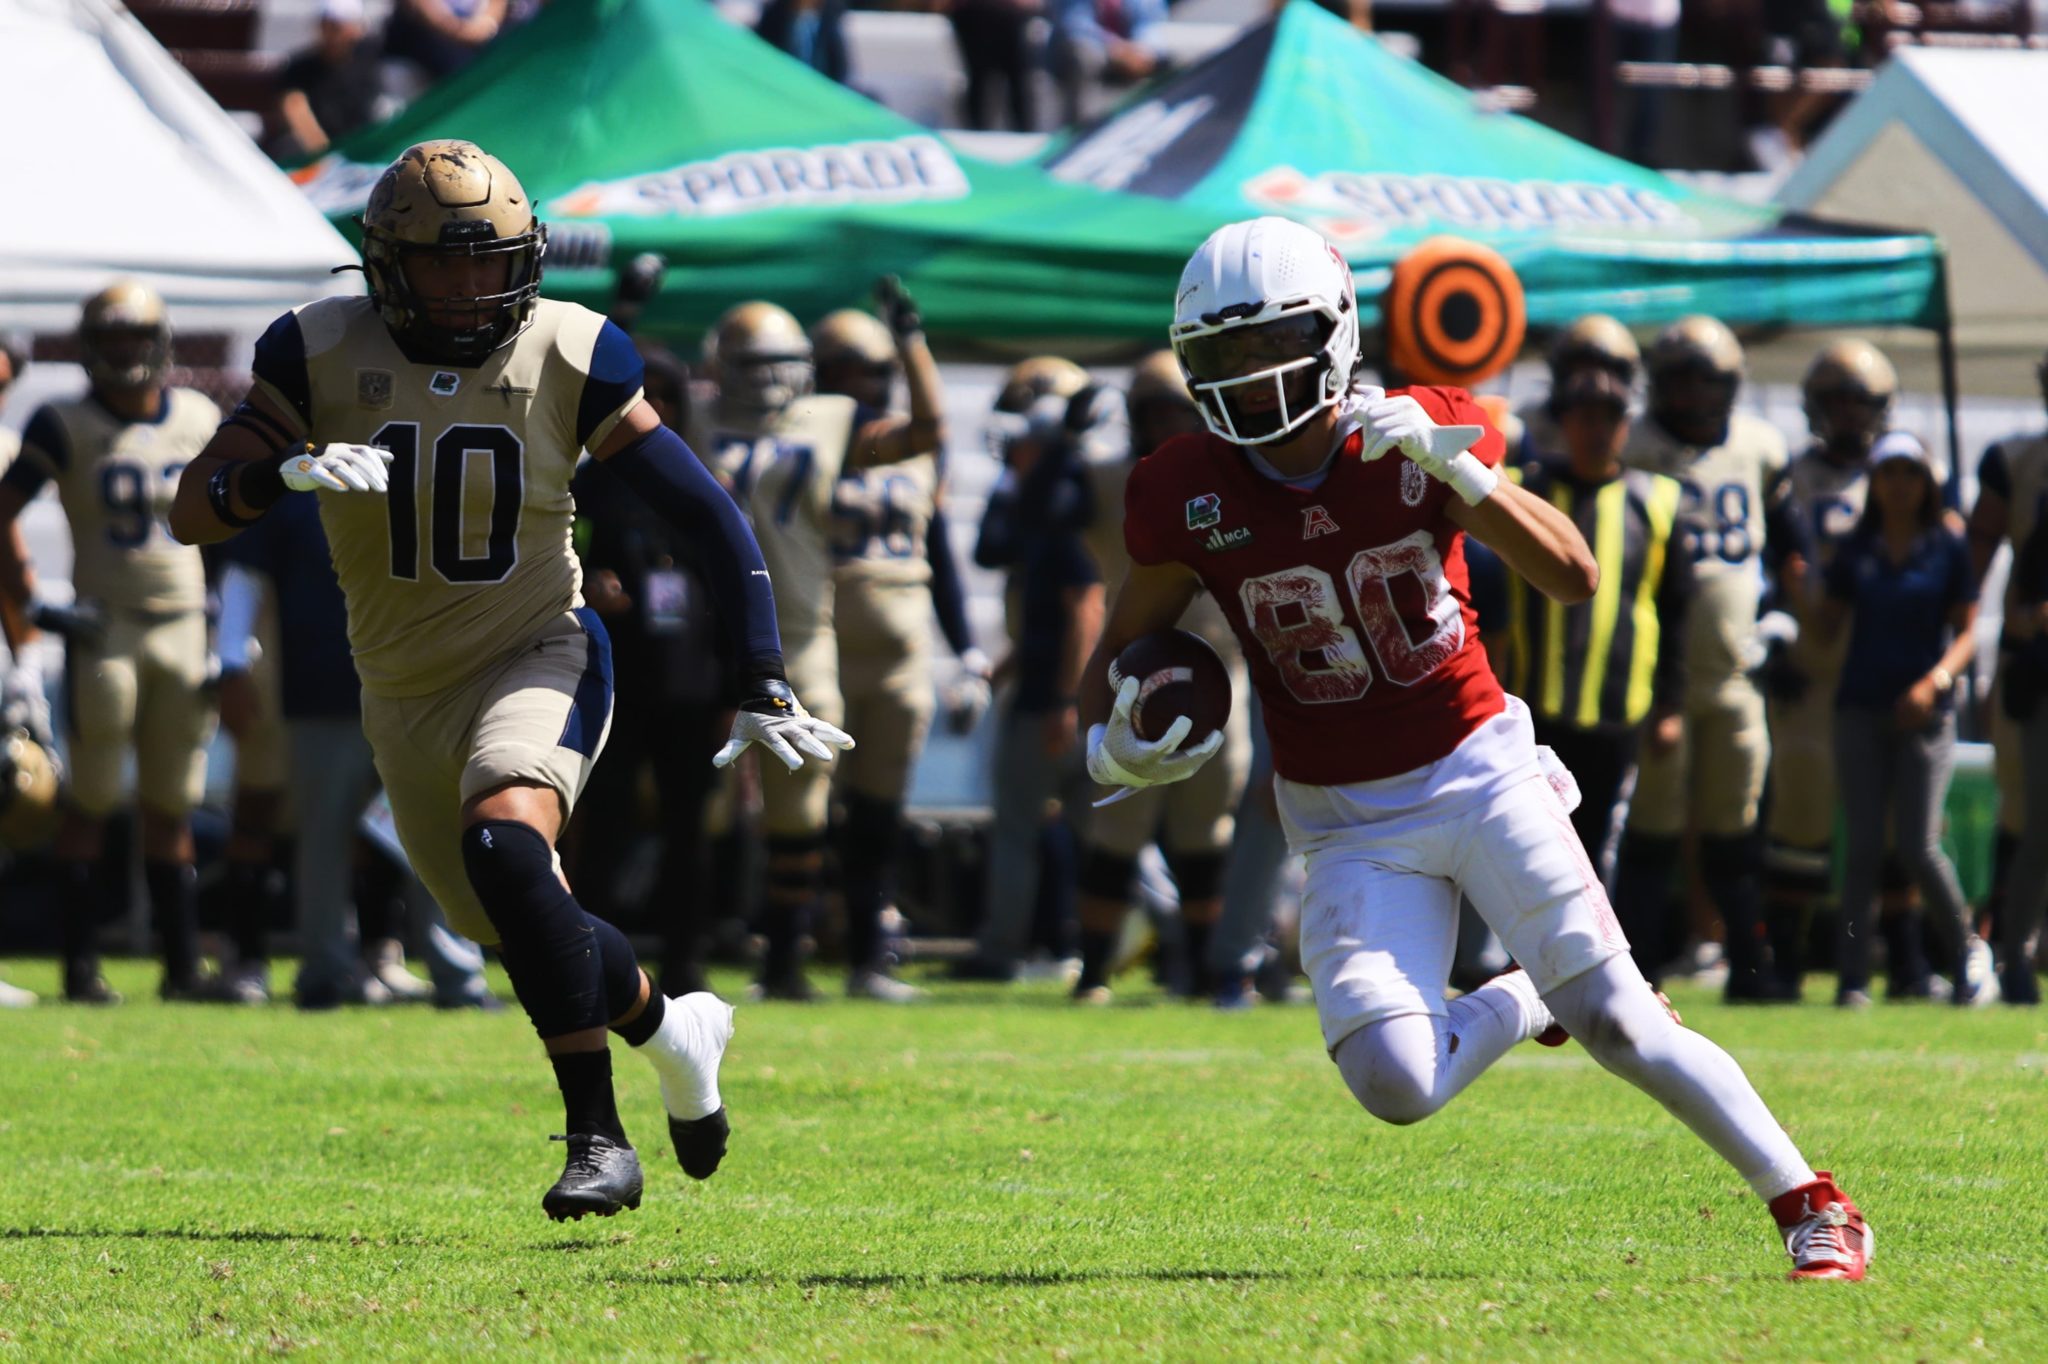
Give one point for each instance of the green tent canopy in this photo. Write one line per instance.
(1306, 117)
(655, 125)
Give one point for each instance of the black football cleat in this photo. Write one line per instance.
(700, 1143)
(92, 989)
(601, 1177)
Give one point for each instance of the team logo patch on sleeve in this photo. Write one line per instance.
(444, 383)
(1204, 511)
(373, 387)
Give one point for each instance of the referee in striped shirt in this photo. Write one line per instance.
(1598, 675)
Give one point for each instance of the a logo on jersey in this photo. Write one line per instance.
(444, 383)
(373, 387)
(1316, 521)
(1414, 483)
(1204, 511)
(1220, 540)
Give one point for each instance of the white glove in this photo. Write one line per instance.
(1118, 757)
(969, 694)
(338, 469)
(1442, 452)
(777, 721)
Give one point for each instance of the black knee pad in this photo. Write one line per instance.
(546, 940)
(1198, 876)
(1106, 875)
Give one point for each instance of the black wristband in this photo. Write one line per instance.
(221, 499)
(261, 483)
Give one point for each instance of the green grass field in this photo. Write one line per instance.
(991, 1176)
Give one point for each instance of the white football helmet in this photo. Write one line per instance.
(1266, 328)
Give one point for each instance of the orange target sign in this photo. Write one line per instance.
(1454, 313)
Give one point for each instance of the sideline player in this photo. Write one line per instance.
(1731, 465)
(894, 568)
(452, 403)
(135, 639)
(1404, 775)
(780, 448)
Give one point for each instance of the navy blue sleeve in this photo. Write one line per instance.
(949, 599)
(45, 435)
(281, 363)
(663, 472)
(1993, 474)
(1962, 579)
(616, 374)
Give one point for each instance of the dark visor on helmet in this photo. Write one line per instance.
(1244, 350)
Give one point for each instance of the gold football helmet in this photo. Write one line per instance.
(440, 218)
(854, 355)
(1695, 367)
(1042, 376)
(1848, 390)
(1160, 405)
(758, 357)
(28, 793)
(1595, 339)
(124, 336)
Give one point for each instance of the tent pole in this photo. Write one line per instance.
(1945, 337)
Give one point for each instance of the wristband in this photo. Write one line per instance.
(1470, 479)
(221, 499)
(262, 481)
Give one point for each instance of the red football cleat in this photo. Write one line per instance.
(1823, 1230)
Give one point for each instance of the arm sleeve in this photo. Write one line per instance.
(948, 598)
(241, 596)
(1993, 474)
(1962, 579)
(662, 471)
(280, 368)
(1785, 531)
(611, 387)
(1674, 605)
(45, 449)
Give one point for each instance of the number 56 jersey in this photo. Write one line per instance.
(1350, 597)
(468, 557)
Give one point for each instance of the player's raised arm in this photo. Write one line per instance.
(663, 472)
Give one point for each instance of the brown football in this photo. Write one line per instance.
(1178, 674)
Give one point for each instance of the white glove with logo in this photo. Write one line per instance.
(776, 720)
(338, 469)
(1442, 452)
(1118, 757)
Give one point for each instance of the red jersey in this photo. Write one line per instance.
(1350, 598)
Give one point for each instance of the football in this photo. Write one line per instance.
(1178, 674)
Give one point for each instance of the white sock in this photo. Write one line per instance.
(1404, 1069)
(685, 1051)
(1615, 1015)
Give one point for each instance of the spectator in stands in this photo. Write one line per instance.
(995, 44)
(812, 31)
(330, 89)
(442, 36)
(1101, 43)
(1031, 527)
(1903, 586)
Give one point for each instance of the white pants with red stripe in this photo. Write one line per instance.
(1388, 860)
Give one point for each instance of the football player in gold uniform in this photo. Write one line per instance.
(135, 638)
(439, 421)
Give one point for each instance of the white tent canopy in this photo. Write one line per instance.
(1950, 141)
(116, 162)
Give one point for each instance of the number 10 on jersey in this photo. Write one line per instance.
(501, 454)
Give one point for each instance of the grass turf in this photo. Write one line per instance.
(993, 1174)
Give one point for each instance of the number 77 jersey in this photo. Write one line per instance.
(1350, 597)
(468, 557)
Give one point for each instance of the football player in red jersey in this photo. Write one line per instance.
(1404, 775)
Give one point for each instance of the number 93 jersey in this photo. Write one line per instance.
(1350, 598)
(468, 558)
(116, 478)
(1722, 512)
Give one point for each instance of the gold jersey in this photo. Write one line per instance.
(468, 558)
(782, 474)
(881, 533)
(116, 479)
(1721, 512)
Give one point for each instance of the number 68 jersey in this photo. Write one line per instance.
(468, 557)
(1350, 598)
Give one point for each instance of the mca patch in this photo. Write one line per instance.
(1220, 540)
(444, 383)
(1204, 511)
(1414, 483)
(373, 387)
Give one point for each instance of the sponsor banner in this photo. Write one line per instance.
(1359, 206)
(898, 170)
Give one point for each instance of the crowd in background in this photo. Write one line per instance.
(1772, 671)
